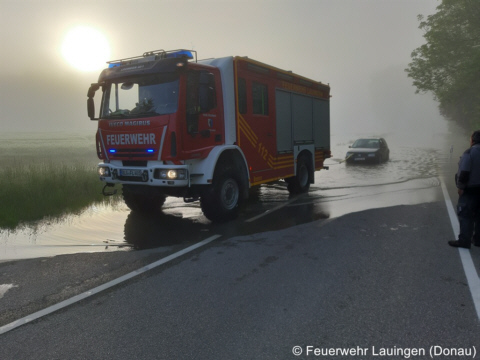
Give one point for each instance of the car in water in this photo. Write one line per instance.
(368, 150)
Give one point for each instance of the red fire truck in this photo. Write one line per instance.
(170, 125)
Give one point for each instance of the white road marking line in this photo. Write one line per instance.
(103, 287)
(5, 287)
(468, 266)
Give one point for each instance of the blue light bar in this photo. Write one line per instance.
(150, 151)
(112, 65)
(180, 54)
(112, 151)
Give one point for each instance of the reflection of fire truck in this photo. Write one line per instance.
(170, 125)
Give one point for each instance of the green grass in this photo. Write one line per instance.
(44, 177)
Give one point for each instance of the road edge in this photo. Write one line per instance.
(465, 256)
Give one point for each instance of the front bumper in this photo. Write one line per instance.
(353, 157)
(153, 175)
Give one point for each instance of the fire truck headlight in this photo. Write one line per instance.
(173, 174)
(181, 174)
(104, 171)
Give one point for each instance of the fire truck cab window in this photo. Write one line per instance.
(141, 97)
(260, 98)
(201, 97)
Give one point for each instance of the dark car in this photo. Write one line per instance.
(374, 150)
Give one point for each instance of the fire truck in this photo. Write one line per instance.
(207, 130)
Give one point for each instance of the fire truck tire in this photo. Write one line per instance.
(300, 183)
(222, 201)
(143, 199)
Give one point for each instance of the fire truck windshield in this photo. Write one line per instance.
(141, 96)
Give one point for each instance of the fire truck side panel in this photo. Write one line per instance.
(283, 116)
(302, 118)
(256, 121)
(284, 120)
(321, 124)
(321, 130)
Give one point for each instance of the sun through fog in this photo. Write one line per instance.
(85, 48)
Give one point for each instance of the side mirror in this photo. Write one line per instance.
(92, 90)
(90, 103)
(91, 109)
(127, 85)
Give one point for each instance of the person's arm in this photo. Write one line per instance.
(463, 173)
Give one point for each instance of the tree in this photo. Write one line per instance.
(448, 64)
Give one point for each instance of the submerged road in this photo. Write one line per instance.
(381, 282)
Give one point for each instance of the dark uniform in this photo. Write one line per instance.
(468, 185)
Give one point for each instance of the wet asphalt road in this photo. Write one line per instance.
(335, 269)
(381, 278)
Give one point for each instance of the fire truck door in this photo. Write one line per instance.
(204, 121)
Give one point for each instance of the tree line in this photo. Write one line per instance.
(448, 64)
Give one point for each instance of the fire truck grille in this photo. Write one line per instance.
(135, 163)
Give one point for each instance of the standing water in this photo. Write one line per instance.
(411, 176)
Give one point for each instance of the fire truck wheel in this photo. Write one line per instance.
(142, 198)
(221, 203)
(300, 183)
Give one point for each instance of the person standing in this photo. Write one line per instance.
(468, 186)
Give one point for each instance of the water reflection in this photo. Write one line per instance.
(306, 209)
(146, 231)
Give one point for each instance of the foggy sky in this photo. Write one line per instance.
(359, 47)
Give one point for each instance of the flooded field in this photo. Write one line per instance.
(412, 176)
(46, 175)
(28, 148)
